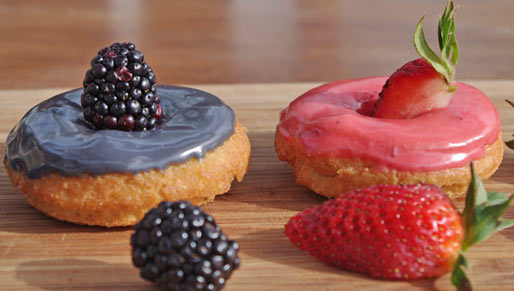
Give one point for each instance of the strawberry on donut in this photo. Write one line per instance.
(417, 126)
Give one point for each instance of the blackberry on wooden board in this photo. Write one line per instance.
(178, 246)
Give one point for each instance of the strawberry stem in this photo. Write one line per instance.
(459, 278)
(510, 143)
(482, 212)
(481, 216)
(444, 64)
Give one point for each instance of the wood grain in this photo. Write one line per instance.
(37, 252)
(48, 44)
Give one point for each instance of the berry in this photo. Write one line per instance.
(135, 94)
(391, 232)
(152, 122)
(424, 84)
(118, 109)
(179, 246)
(113, 89)
(145, 84)
(148, 99)
(101, 108)
(399, 232)
(98, 70)
(134, 107)
(140, 122)
(110, 121)
(109, 98)
(126, 122)
(412, 90)
(135, 56)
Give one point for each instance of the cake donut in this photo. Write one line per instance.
(417, 126)
(333, 144)
(73, 171)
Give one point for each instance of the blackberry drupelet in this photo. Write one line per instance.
(179, 246)
(119, 90)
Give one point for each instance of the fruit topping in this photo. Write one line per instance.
(178, 246)
(119, 90)
(426, 83)
(399, 232)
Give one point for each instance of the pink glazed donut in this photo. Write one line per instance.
(333, 144)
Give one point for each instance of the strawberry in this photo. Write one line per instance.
(385, 231)
(412, 90)
(399, 231)
(423, 84)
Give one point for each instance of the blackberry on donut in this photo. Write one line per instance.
(119, 90)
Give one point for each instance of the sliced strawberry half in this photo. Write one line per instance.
(412, 90)
(424, 84)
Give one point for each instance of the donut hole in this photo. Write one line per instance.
(366, 108)
(362, 102)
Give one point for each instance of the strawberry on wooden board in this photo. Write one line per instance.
(423, 84)
(402, 232)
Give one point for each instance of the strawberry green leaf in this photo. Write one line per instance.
(510, 144)
(482, 212)
(444, 64)
(506, 223)
(459, 278)
(495, 198)
(482, 217)
(445, 24)
(424, 50)
(475, 195)
(455, 52)
(446, 33)
(487, 220)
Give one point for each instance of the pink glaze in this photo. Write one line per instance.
(332, 121)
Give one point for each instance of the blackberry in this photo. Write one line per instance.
(178, 246)
(119, 90)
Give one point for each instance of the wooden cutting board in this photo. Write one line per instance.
(38, 252)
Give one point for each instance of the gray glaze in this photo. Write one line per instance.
(53, 136)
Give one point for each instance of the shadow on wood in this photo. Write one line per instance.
(273, 247)
(67, 274)
(270, 182)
